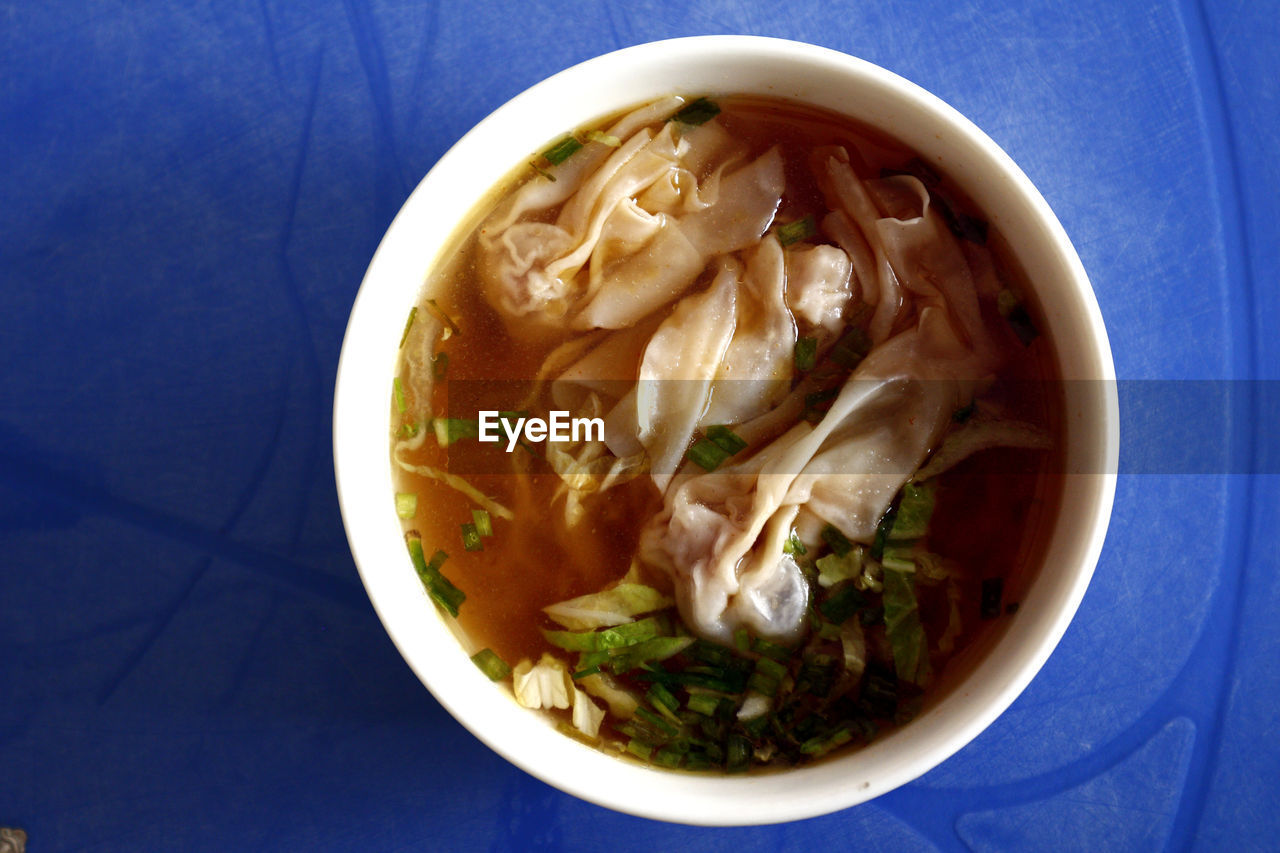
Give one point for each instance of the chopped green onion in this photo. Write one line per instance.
(647, 652)
(793, 232)
(742, 640)
(409, 430)
(471, 538)
(639, 749)
(491, 665)
(441, 590)
(604, 139)
(661, 698)
(483, 523)
(843, 602)
(397, 393)
(706, 455)
(726, 439)
(1020, 321)
(771, 668)
(806, 352)
(439, 364)
(697, 112)
(763, 683)
(656, 722)
(704, 703)
(794, 546)
(851, 349)
(543, 172)
(408, 324)
(839, 543)
(406, 504)
(1015, 314)
(992, 593)
(449, 430)
(823, 744)
(561, 151)
(961, 224)
(738, 751)
(770, 650)
(669, 756)
(439, 314)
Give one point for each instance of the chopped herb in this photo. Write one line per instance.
(726, 439)
(806, 351)
(441, 590)
(839, 543)
(794, 232)
(844, 601)
(794, 546)
(439, 364)
(561, 151)
(669, 756)
(449, 430)
(543, 172)
(397, 393)
(604, 139)
(851, 349)
(409, 430)
(963, 413)
(471, 538)
(661, 698)
(903, 627)
(706, 455)
(704, 703)
(406, 504)
(408, 324)
(656, 723)
(817, 398)
(737, 754)
(1020, 321)
(823, 744)
(771, 668)
(640, 749)
(491, 665)
(482, 521)
(439, 314)
(697, 112)
(992, 593)
(742, 640)
(770, 650)
(1015, 314)
(763, 683)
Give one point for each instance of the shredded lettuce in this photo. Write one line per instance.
(610, 607)
(545, 684)
(902, 625)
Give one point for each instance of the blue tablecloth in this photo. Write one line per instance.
(189, 195)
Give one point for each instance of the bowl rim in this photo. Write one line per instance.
(528, 740)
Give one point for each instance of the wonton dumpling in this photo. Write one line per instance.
(636, 228)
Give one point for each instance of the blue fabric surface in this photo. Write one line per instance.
(189, 195)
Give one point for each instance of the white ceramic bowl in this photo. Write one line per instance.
(602, 86)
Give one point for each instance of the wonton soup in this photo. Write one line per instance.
(724, 431)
